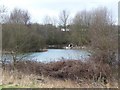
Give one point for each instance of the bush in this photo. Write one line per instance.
(21, 38)
(71, 69)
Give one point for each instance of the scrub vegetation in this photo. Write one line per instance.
(94, 29)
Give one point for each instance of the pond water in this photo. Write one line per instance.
(54, 55)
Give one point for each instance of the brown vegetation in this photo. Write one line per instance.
(20, 80)
(71, 69)
(73, 73)
(96, 29)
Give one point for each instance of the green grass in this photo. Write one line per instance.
(1, 87)
(14, 86)
(10, 86)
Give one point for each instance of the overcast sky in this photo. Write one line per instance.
(41, 8)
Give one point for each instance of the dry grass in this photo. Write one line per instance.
(18, 79)
(0, 75)
(72, 69)
(60, 74)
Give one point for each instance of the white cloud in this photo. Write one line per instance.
(40, 8)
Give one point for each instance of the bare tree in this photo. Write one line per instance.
(64, 19)
(2, 13)
(47, 20)
(82, 18)
(103, 33)
(19, 16)
(2, 9)
(50, 20)
(54, 21)
(80, 26)
(26, 17)
(101, 27)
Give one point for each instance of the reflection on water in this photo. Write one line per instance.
(54, 55)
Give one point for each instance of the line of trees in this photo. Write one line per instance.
(93, 28)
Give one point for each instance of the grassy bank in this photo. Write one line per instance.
(20, 80)
(60, 74)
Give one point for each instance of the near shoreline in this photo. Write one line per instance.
(62, 74)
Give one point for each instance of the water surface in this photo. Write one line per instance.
(55, 55)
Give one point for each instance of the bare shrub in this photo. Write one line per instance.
(71, 69)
